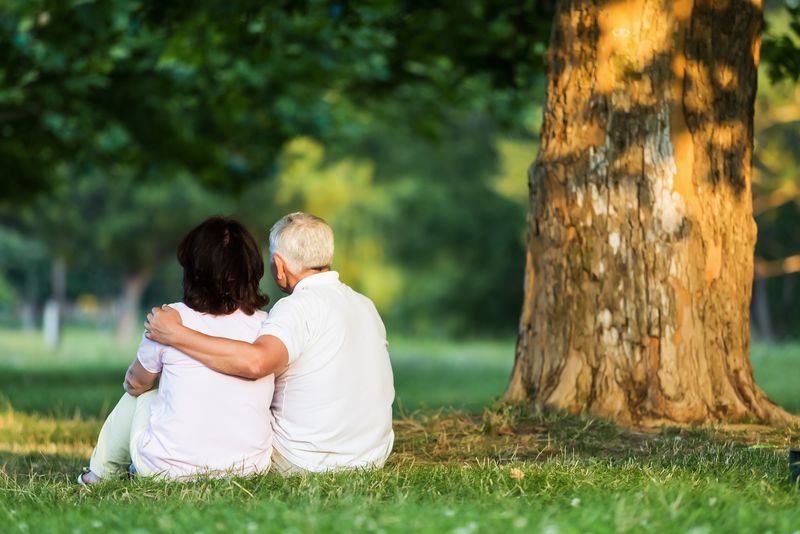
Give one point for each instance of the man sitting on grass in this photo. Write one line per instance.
(326, 344)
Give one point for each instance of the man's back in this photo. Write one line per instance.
(333, 404)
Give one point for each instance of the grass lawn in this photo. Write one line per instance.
(458, 466)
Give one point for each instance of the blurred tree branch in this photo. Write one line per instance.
(775, 199)
(769, 269)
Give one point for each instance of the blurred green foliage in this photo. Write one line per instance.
(216, 88)
(124, 123)
(408, 125)
(776, 177)
(427, 231)
(781, 49)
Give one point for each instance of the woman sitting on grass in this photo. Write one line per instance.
(198, 421)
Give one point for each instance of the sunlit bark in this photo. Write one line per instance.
(641, 230)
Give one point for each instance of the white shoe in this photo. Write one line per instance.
(86, 471)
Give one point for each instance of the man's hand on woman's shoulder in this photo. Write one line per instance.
(162, 324)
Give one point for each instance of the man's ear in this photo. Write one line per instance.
(280, 266)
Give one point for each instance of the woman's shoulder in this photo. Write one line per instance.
(185, 311)
(213, 323)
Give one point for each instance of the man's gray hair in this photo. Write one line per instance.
(304, 241)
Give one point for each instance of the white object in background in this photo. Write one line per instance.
(52, 324)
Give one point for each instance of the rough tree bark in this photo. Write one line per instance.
(641, 234)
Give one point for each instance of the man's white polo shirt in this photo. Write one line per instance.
(332, 406)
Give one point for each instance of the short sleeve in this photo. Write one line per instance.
(286, 322)
(150, 355)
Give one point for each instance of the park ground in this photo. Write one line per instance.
(463, 463)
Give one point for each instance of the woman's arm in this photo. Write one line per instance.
(237, 358)
(138, 379)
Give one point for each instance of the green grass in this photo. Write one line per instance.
(466, 470)
(428, 374)
(777, 368)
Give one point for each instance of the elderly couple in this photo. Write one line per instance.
(219, 388)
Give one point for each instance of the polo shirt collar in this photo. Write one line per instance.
(328, 277)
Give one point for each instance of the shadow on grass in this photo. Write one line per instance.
(508, 434)
(504, 437)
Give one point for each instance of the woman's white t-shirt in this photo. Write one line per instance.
(204, 422)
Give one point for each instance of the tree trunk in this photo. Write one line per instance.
(28, 312)
(130, 304)
(641, 234)
(58, 278)
(53, 319)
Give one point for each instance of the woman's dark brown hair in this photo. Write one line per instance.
(222, 267)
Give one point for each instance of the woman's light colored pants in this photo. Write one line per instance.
(116, 445)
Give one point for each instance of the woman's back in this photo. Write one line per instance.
(203, 421)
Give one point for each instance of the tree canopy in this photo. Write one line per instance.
(216, 88)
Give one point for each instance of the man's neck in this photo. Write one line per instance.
(295, 279)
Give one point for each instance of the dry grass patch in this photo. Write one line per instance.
(507, 434)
